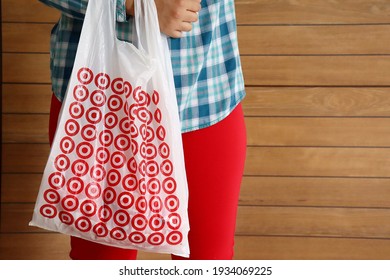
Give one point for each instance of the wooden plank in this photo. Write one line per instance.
(319, 192)
(17, 37)
(274, 161)
(269, 40)
(307, 248)
(26, 68)
(20, 187)
(258, 70)
(311, 161)
(342, 132)
(41, 246)
(257, 220)
(24, 158)
(27, 11)
(248, 12)
(316, 70)
(26, 98)
(264, 131)
(317, 101)
(260, 191)
(259, 101)
(311, 12)
(313, 221)
(305, 40)
(25, 128)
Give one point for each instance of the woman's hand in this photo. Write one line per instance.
(174, 16)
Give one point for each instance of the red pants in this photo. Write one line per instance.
(214, 159)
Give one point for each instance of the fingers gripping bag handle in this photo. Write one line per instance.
(115, 173)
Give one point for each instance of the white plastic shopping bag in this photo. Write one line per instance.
(116, 173)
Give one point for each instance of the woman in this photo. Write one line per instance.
(209, 87)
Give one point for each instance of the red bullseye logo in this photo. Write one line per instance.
(148, 151)
(161, 133)
(66, 217)
(80, 167)
(62, 162)
(172, 203)
(80, 93)
(174, 238)
(51, 196)
(109, 195)
(75, 185)
(154, 186)
(98, 98)
(166, 167)
(147, 133)
(142, 186)
(100, 229)
(98, 172)
(94, 115)
(124, 125)
(106, 138)
(133, 109)
(137, 237)
(76, 110)
(139, 222)
(72, 127)
(88, 208)
(127, 89)
(132, 165)
(130, 182)
(156, 238)
(118, 159)
(67, 145)
(141, 204)
(85, 75)
(169, 185)
(122, 142)
(157, 115)
(83, 224)
(105, 213)
(88, 132)
(141, 97)
(48, 211)
(156, 222)
(102, 155)
(133, 130)
(144, 115)
(56, 180)
(113, 177)
(125, 200)
(155, 204)
(102, 81)
(121, 218)
(152, 168)
(117, 86)
(93, 190)
(84, 150)
(155, 97)
(163, 150)
(70, 203)
(110, 120)
(174, 221)
(115, 103)
(118, 234)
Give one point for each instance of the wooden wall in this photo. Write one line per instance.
(317, 177)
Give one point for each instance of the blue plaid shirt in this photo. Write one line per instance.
(206, 63)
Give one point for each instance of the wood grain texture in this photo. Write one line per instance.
(257, 220)
(316, 70)
(312, 161)
(43, 246)
(253, 40)
(264, 131)
(256, 191)
(248, 12)
(26, 98)
(258, 70)
(312, 12)
(317, 101)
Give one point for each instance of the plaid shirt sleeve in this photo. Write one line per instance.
(76, 8)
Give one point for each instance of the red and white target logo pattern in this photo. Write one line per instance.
(113, 127)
